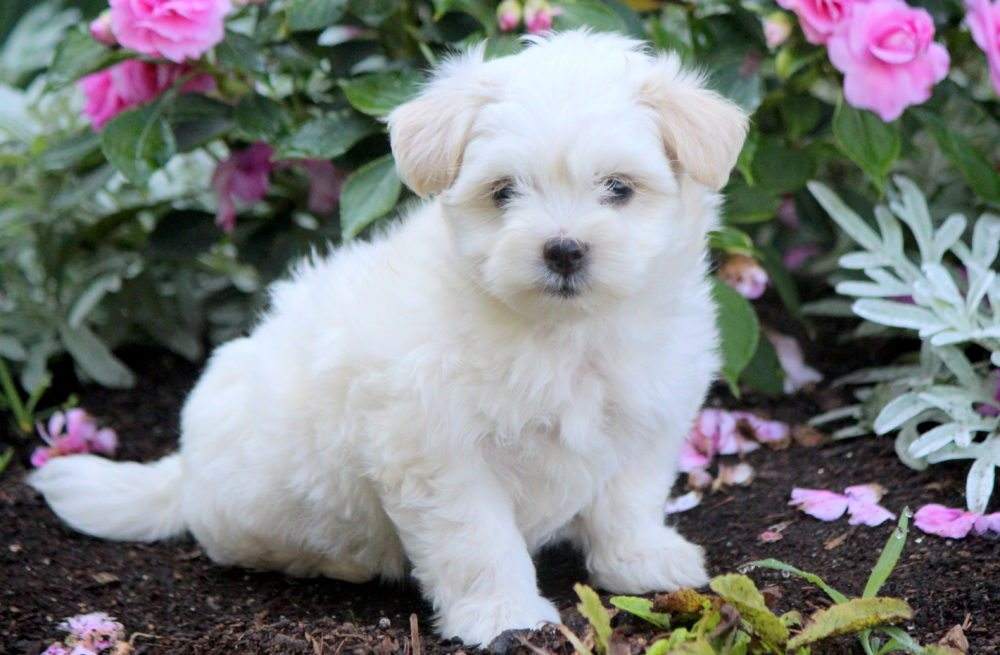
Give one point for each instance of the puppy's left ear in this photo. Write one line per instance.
(702, 131)
(428, 134)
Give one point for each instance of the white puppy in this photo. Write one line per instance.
(515, 362)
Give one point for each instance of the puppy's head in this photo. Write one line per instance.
(574, 173)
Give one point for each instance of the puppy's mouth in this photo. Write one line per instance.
(564, 286)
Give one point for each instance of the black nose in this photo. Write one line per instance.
(564, 256)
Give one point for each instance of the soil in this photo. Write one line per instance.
(174, 600)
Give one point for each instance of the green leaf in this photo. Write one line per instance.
(780, 169)
(801, 113)
(641, 607)
(889, 557)
(740, 592)
(739, 329)
(591, 608)
(69, 152)
(196, 120)
(11, 349)
(369, 193)
(5, 459)
(259, 118)
(845, 217)
(377, 94)
(373, 12)
(868, 141)
(94, 358)
(588, 13)
(778, 565)
(482, 10)
(240, 52)
(731, 240)
(92, 296)
(138, 142)
(975, 167)
(764, 372)
(735, 73)
(326, 137)
(749, 204)
(78, 55)
(850, 617)
(311, 15)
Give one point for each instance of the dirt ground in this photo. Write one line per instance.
(183, 604)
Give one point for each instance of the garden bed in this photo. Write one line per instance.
(182, 603)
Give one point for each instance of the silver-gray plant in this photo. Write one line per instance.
(948, 293)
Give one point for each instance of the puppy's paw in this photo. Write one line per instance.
(478, 621)
(653, 560)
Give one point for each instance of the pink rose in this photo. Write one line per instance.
(243, 178)
(177, 30)
(888, 56)
(819, 18)
(983, 19)
(130, 84)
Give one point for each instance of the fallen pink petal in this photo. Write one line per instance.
(867, 513)
(819, 503)
(798, 374)
(770, 536)
(71, 433)
(738, 475)
(699, 478)
(954, 523)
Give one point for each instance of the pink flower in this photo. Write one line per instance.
(777, 29)
(95, 631)
(243, 178)
(177, 30)
(721, 432)
(763, 430)
(983, 19)
(888, 56)
(954, 523)
(73, 433)
(744, 275)
(56, 649)
(859, 501)
(100, 29)
(133, 83)
(508, 15)
(819, 18)
(538, 15)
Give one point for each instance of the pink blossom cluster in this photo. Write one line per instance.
(955, 523)
(90, 634)
(983, 19)
(245, 177)
(177, 30)
(536, 14)
(884, 48)
(860, 502)
(73, 433)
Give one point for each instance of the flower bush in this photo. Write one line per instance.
(163, 160)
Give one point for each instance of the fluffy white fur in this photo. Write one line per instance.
(425, 403)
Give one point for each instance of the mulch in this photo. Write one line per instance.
(180, 603)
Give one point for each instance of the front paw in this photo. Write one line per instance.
(481, 621)
(655, 560)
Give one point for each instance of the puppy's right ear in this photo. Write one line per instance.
(429, 133)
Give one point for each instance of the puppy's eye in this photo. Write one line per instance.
(618, 191)
(502, 192)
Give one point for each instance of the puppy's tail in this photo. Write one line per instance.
(124, 501)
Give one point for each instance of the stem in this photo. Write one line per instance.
(21, 415)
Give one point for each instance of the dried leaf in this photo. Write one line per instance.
(103, 578)
(956, 640)
(808, 436)
(770, 536)
(682, 601)
(853, 616)
(836, 542)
